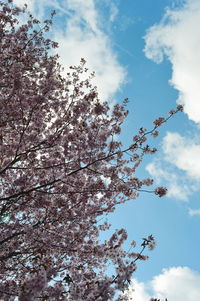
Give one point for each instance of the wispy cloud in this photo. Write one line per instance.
(177, 37)
(81, 35)
(176, 283)
(193, 212)
(113, 11)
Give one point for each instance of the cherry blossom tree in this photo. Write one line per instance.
(62, 169)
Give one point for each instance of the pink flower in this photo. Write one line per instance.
(160, 191)
(159, 121)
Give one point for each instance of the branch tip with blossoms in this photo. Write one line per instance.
(149, 242)
(160, 191)
(159, 121)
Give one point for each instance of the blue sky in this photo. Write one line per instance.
(148, 51)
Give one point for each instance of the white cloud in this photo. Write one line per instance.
(177, 36)
(81, 36)
(34, 6)
(137, 292)
(84, 11)
(179, 166)
(176, 283)
(193, 212)
(183, 153)
(30, 3)
(38, 7)
(177, 186)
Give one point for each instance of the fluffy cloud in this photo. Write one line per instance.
(179, 167)
(183, 153)
(177, 185)
(138, 291)
(176, 283)
(81, 35)
(177, 37)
